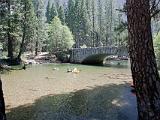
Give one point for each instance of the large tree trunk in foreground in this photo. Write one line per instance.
(143, 64)
(2, 104)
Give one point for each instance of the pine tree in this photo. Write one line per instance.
(53, 12)
(93, 23)
(106, 23)
(85, 25)
(13, 28)
(3, 21)
(28, 24)
(40, 27)
(78, 21)
(61, 14)
(48, 12)
(89, 19)
(70, 14)
(100, 13)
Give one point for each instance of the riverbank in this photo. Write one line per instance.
(43, 57)
(26, 59)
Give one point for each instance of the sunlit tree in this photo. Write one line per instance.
(60, 37)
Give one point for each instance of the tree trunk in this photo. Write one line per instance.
(2, 104)
(21, 50)
(36, 49)
(111, 23)
(93, 24)
(143, 63)
(10, 38)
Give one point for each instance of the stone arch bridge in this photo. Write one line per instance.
(95, 55)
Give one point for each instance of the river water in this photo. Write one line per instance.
(49, 92)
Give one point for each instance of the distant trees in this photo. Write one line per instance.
(92, 22)
(53, 12)
(24, 24)
(48, 12)
(61, 14)
(54, 9)
(60, 37)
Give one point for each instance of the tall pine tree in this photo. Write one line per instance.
(28, 25)
(48, 12)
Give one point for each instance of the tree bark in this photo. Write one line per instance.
(143, 63)
(10, 38)
(111, 23)
(2, 104)
(93, 23)
(21, 50)
(36, 48)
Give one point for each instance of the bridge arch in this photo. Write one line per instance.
(95, 59)
(95, 55)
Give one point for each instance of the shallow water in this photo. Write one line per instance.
(42, 93)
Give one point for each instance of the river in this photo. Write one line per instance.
(49, 92)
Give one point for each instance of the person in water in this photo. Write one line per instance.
(2, 103)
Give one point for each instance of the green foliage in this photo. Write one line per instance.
(61, 14)
(22, 25)
(29, 21)
(39, 8)
(121, 32)
(70, 14)
(92, 23)
(53, 12)
(48, 12)
(60, 37)
(10, 26)
(77, 20)
(41, 34)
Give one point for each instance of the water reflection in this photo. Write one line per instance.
(117, 64)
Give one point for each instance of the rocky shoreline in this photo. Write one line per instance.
(42, 58)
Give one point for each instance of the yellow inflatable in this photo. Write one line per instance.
(75, 70)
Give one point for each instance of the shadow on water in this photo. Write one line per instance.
(117, 64)
(111, 63)
(108, 102)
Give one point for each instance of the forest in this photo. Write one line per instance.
(56, 26)
(41, 37)
(38, 26)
